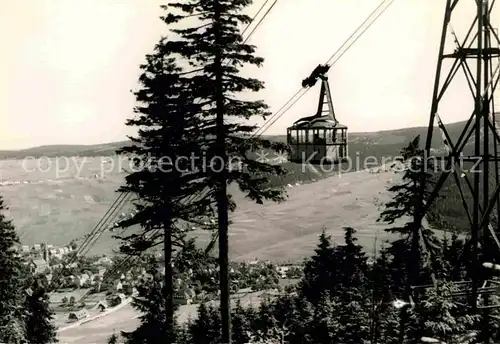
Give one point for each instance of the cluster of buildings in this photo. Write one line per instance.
(44, 259)
(44, 251)
(48, 260)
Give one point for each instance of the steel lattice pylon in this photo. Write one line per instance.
(481, 46)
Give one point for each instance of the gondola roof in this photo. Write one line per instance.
(317, 123)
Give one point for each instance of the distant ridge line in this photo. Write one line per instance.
(392, 136)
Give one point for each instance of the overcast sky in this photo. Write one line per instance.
(67, 66)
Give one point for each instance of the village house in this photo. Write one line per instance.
(78, 315)
(25, 248)
(57, 266)
(116, 300)
(102, 306)
(184, 297)
(82, 280)
(48, 278)
(70, 281)
(64, 250)
(104, 261)
(146, 277)
(282, 270)
(101, 272)
(39, 266)
(56, 253)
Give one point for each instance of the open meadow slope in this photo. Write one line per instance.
(58, 210)
(56, 207)
(55, 200)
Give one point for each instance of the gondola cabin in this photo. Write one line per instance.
(319, 138)
(321, 141)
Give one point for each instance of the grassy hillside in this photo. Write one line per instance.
(58, 210)
(58, 205)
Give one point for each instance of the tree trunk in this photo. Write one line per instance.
(222, 200)
(168, 287)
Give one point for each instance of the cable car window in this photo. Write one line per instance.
(317, 139)
(328, 134)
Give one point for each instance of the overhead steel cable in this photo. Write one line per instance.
(261, 19)
(96, 232)
(124, 263)
(106, 225)
(253, 19)
(190, 198)
(110, 212)
(373, 16)
(302, 91)
(331, 61)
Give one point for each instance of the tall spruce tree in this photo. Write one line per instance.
(39, 317)
(12, 328)
(320, 273)
(163, 176)
(406, 204)
(242, 323)
(352, 300)
(352, 263)
(439, 317)
(205, 329)
(206, 41)
(379, 281)
(325, 322)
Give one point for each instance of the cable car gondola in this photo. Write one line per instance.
(319, 138)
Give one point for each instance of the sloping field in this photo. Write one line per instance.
(58, 200)
(57, 205)
(289, 231)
